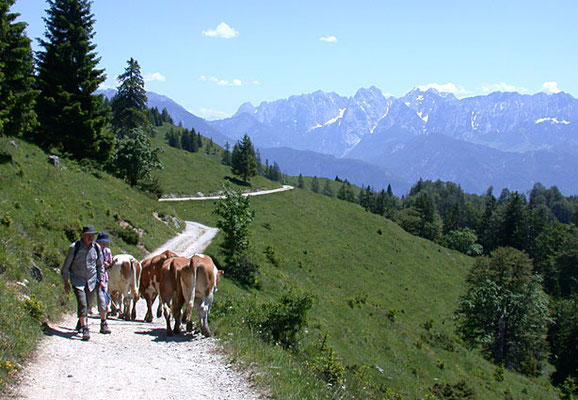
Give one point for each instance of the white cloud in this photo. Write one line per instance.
(502, 87)
(211, 114)
(328, 39)
(223, 82)
(550, 87)
(154, 76)
(221, 31)
(445, 87)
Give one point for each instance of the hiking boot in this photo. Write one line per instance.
(85, 334)
(104, 328)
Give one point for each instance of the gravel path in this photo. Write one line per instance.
(261, 192)
(136, 361)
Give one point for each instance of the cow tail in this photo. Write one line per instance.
(191, 303)
(134, 283)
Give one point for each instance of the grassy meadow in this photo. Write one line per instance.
(383, 300)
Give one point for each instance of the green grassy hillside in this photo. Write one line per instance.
(187, 174)
(383, 299)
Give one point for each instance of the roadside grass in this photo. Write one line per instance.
(42, 210)
(383, 305)
(197, 174)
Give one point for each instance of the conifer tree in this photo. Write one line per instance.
(315, 185)
(327, 191)
(226, 160)
(243, 160)
(129, 105)
(17, 95)
(166, 117)
(300, 182)
(70, 117)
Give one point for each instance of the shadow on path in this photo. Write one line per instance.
(62, 332)
(160, 335)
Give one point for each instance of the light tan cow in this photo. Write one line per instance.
(150, 280)
(123, 281)
(191, 281)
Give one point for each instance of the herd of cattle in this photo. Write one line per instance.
(176, 281)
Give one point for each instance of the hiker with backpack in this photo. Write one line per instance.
(83, 269)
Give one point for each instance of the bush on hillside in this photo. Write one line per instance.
(457, 391)
(127, 234)
(281, 322)
(326, 364)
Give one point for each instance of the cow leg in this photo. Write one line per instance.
(115, 306)
(159, 310)
(177, 315)
(167, 314)
(133, 312)
(150, 299)
(205, 310)
(126, 303)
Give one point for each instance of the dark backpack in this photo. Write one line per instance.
(77, 247)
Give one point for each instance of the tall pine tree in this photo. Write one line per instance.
(129, 105)
(17, 94)
(70, 116)
(243, 160)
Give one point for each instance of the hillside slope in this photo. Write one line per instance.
(384, 299)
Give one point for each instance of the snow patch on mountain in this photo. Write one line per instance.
(424, 118)
(552, 120)
(334, 120)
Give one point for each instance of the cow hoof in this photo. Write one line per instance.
(169, 332)
(189, 326)
(148, 319)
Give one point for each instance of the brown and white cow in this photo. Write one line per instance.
(150, 280)
(191, 281)
(199, 282)
(123, 281)
(171, 297)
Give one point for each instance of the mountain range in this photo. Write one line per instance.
(504, 139)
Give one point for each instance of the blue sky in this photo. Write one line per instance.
(212, 56)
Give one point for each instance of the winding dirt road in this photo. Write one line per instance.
(258, 193)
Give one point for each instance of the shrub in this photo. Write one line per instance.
(456, 391)
(35, 308)
(128, 235)
(152, 186)
(327, 365)
(272, 256)
(283, 320)
(5, 156)
(6, 220)
(72, 230)
(243, 270)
